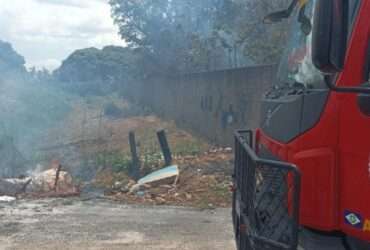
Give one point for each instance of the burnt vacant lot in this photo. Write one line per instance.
(91, 144)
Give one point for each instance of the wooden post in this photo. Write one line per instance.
(57, 173)
(135, 164)
(165, 147)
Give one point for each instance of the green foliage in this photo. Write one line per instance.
(170, 37)
(222, 190)
(121, 161)
(241, 29)
(118, 161)
(92, 64)
(151, 159)
(167, 31)
(187, 36)
(99, 72)
(189, 148)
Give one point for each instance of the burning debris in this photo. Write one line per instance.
(53, 182)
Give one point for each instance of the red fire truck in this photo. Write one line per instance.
(302, 180)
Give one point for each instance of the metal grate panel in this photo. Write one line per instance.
(265, 201)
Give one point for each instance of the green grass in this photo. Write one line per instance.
(222, 190)
(118, 161)
(188, 148)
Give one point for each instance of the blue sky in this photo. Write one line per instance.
(46, 31)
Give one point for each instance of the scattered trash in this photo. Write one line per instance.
(188, 196)
(228, 150)
(204, 182)
(125, 190)
(168, 175)
(7, 198)
(12, 187)
(160, 200)
(206, 169)
(118, 185)
(140, 194)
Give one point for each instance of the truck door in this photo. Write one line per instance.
(354, 152)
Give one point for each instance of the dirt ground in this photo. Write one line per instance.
(72, 224)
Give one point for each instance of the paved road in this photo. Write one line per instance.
(76, 224)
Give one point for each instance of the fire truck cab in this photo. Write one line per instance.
(302, 180)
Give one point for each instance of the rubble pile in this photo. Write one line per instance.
(200, 181)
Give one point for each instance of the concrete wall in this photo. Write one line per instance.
(213, 104)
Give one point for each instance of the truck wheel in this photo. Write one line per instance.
(355, 244)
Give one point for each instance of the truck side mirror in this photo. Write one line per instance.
(329, 38)
(276, 17)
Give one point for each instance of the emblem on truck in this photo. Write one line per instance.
(353, 219)
(356, 220)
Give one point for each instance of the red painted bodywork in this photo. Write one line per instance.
(334, 155)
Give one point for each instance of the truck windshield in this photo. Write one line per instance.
(296, 66)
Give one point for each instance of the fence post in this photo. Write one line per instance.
(165, 147)
(134, 170)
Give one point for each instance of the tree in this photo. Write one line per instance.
(94, 71)
(10, 60)
(40, 75)
(193, 35)
(166, 30)
(239, 27)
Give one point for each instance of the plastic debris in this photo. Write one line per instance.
(6, 198)
(161, 177)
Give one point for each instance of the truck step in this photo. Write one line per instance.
(309, 240)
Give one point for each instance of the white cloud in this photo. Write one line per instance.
(47, 31)
(69, 3)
